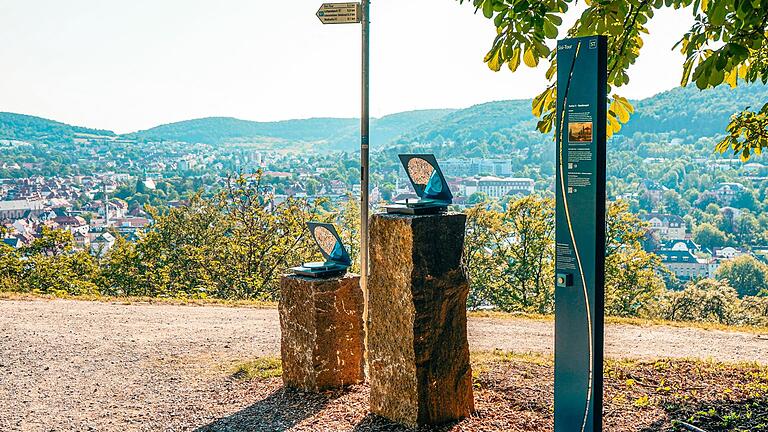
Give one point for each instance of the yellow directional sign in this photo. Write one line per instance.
(340, 13)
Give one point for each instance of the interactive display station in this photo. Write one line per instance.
(428, 182)
(580, 233)
(337, 260)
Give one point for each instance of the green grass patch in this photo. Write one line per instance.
(261, 368)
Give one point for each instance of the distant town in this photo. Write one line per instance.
(701, 208)
(693, 237)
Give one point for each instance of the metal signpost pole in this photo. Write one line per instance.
(364, 167)
(355, 13)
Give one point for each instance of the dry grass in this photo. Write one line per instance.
(509, 315)
(640, 322)
(514, 392)
(4, 295)
(643, 322)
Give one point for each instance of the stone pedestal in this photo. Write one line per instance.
(321, 327)
(418, 355)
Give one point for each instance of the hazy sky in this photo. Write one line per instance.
(133, 64)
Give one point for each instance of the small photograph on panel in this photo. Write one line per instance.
(580, 132)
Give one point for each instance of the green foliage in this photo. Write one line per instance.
(754, 310)
(51, 243)
(262, 238)
(509, 256)
(709, 236)
(349, 230)
(525, 256)
(696, 113)
(747, 133)
(746, 274)
(234, 245)
(73, 274)
(728, 42)
(634, 278)
(261, 368)
(477, 198)
(219, 130)
(706, 301)
(11, 269)
(50, 265)
(479, 261)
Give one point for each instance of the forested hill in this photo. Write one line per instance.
(699, 113)
(481, 130)
(328, 133)
(220, 130)
(29, 128)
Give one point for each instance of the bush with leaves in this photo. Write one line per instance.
(510, 255)
(11, 268)
(265, 237)
(51, 265)
(746, 274)
(483, 220)
(708, 300)
(709, 236)
(754, 310)
(634, 278)
(233, 246)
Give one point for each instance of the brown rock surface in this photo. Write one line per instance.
(321, 323)
(418, 352)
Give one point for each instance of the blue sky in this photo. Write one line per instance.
(133, 64)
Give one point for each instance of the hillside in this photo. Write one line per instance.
(332, 133)
(30, 128)
(477, 122)
(700, 113)
(481, 130)
(220, 130)
(387, 129)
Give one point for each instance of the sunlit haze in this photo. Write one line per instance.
(132, 65)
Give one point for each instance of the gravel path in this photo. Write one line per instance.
(72, 365)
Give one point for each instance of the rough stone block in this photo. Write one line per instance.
(322, 336)
(418, 354)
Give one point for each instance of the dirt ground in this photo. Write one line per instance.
(74, 365)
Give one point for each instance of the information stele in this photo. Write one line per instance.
(580, 233)
(340, 13)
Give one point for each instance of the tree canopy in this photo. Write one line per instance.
(727, 44)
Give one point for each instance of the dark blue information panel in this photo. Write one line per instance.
(580, 233)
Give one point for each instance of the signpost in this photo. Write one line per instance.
(352, 13)
(580, 233)
(340, 13)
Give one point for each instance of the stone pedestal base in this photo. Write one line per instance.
(419, 369)
(321, 324)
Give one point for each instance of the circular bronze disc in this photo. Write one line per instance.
(420, 170)
(325, 239)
